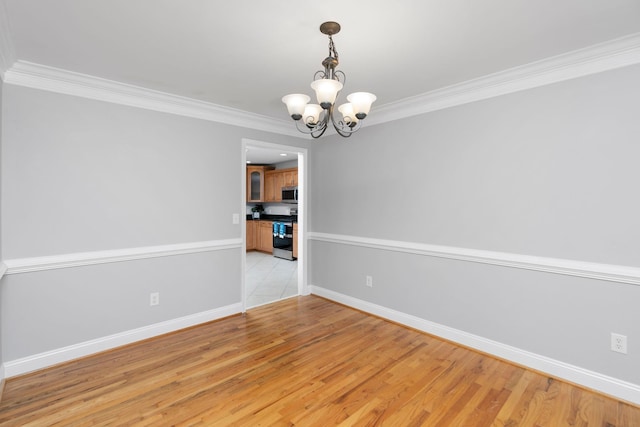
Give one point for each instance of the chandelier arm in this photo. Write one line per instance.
(320, 74)
(343, 134)
(315, 131)
(320, 128)
(343, 128)
(337, 75)
(306, 128)
(317, 134)
(302, 128)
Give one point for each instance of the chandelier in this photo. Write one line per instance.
(314, 119)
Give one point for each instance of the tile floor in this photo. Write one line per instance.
(269, 279)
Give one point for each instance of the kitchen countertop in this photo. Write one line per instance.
(267, 217)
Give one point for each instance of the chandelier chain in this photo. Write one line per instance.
(332, 49)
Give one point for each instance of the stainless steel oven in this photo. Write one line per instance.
(283, 239)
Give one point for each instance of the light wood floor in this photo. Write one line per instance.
(304, 361)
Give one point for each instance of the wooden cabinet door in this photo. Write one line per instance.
(273, 186)
(251, 235)
(255, 183)
(278, 187)
(270, 186)
(295, 240)
(290, 178)
(265, 243)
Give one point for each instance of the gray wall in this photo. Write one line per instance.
(82, 175)
(88, 175)
(549, 172)
(289, 164)
(1, 189)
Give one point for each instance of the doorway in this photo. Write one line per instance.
(265, 278)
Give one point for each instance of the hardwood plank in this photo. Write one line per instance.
(304, 362)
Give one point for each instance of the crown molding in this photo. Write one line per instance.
(7, 54)
(609, 55)
(52, 79)
(605, 56)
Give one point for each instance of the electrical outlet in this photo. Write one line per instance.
(369, 282)
(154, 298)
(235, 218)
(619, 343)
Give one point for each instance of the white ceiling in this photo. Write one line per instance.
(247, 54)
(269, 156)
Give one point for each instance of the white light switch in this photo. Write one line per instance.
(235, 218)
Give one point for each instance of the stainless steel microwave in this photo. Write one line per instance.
(289, 194)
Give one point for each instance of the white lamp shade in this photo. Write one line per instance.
(311, 114)
(326, 90)
(296, 103)
(361, 102)
(347, 113)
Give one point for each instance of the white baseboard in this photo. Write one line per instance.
(612, 386)
(49, 358)
(2, 382)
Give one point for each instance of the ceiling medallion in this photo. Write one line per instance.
(314, 119)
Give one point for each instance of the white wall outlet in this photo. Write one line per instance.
(369, 282)
(619, 343)
(154, 298)
(235, 218)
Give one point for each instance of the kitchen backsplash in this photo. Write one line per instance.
(272, 209)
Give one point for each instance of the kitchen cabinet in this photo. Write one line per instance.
(251, 235)
(265, 236)
(290, 177)
(259, 235)
(276, 179)
(273, 186)
(255, 183)
(295, 240)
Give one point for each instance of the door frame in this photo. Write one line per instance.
(303, 287)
